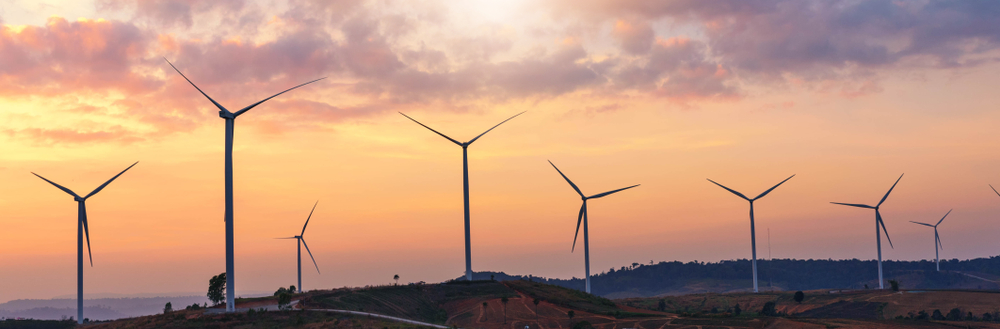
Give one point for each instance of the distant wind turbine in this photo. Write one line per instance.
(753, 234)
(994, 190)
(230, 118)
(465, 175)
(878, 221)
(302, 241)
(81, 229)
(582, 218)
(937, 239)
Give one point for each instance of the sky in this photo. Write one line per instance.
(846, 95)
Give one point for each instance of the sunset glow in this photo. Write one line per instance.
(846, 95)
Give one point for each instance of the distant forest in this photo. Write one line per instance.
(672, 278)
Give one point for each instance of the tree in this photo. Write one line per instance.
(768, 309)
(894, 284)
(937, 315)
(799, 296)
(570, 314)
(217, 289)
(281, 290)
(168, 308)
(283, 300)
(954, 315)
(396, 277)
(504, 300)
(662, 306)
(536, 301)
(291, 289)
(737, 310)
(484, 311)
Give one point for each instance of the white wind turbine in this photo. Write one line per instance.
(302, 242)
(82, 228)
(582, 218)
(753, 234)
(230, 118)
(878, 234)
(465, 183)
(937, 239)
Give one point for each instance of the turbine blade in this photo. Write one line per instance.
(595, 196)
(567, 179)
(854, 205)
(292, 237)
(310, 254)
(730, 190)
(942, 218)
(86, 230)
(307, 219)
(57, 185)
(924, 224)
(938, 238)
(196, 87)
(878, 217)
(494, 127)
(579, 219)
(435, 131)
(275, 95)
(890, 190)
(99, 188)
(771, 189)
(994, 190)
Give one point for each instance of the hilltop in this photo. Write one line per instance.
(679, 278)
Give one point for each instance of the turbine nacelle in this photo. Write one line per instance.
(226, 114)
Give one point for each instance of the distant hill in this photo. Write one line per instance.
(94, 309)
(677, 278)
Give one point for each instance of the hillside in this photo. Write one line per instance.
(678, 278)
(480, 304)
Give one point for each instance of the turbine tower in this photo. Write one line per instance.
(230, 118)
(937, 239)
(582, 217)
(81, 229)
(753, 234)
(465, 182)
(302, 241)
(878, 234)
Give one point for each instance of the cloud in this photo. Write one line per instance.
(384, 55)
(115, 134)
(819, 40)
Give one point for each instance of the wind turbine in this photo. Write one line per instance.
(994, 190)
(582, 217)
(465, 182)
(753, 234)
(230, 118)
(937, 239)
(81, 229)
(878, 234)
(302, 241)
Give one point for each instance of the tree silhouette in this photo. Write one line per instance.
(504, 301)
(396, 277)
(168, 308)
(484, 312)
(217, 289)
(571, 314)
(799, 296)
(536, 301)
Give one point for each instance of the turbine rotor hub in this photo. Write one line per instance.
(78, 199)
(226, 115)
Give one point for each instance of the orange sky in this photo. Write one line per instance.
(663, 94)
